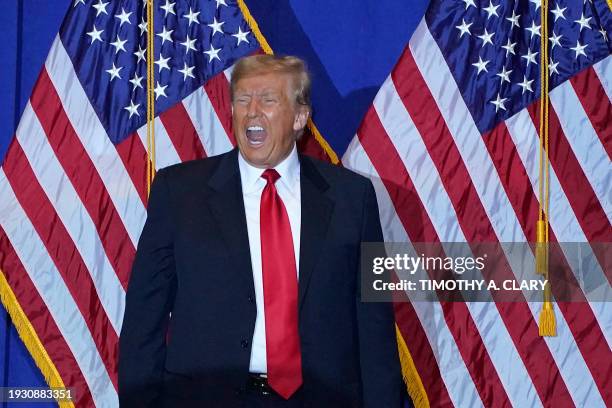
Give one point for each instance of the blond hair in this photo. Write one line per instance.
(265, 64)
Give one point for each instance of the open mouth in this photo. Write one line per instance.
(256, 135)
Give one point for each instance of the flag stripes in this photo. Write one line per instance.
(43, 323)
(388, 106)
(58, 299)
(82, 175)
(484, 186)
(184, 137)
(133, 155)
(95, 141)
(62, 251)
(207, 122)
(523, 199)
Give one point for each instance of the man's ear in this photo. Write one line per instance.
(301, 118)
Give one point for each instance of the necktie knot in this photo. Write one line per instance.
(270, 175)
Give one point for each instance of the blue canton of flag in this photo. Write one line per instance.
(106, 41)
(493, 49)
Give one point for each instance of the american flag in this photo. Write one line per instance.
(447, 162)
(451, 143)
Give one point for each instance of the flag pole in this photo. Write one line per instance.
(150, 98)
(547, 323)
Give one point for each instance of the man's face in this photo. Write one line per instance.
(266, 119)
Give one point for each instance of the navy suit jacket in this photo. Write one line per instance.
(190, 307)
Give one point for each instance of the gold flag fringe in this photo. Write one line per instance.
(30, 339)
(410, 374)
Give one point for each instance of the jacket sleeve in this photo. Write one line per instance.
(149, 300)
(379, 357)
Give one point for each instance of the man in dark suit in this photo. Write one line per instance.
(245, 290)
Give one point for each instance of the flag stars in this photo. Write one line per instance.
(464, 28)
(162, 63)
(555, 40)
(486, 37)
(95, 34)
(499, 103)
(604, 34)
(160, 91)
(100, 7)
(77, 2)
(168, 8)
(530, 57)
(216, 26)
(165, 35)
(213, 53)
(491, 10)
(192, 17)
(187, 71)
(136, 81)
(552, 67)
(559, 12)
(481, 65)
(509, 47)
(579, 49)
(469, 3)
(221, 3)
(123, 17)
(132, 109)
(114, 72)
(514, 20)
(534, 29)
(143, 26)
(526, 85)
(584, 22)
(140, 54)
(504, 75)
(189, 44)
(241, 36)
(119, 44)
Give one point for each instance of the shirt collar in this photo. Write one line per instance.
(289, 170)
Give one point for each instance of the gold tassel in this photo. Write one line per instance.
(548, 324)
(411, 377)
(541, 250)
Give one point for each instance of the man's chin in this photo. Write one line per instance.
(256, 157)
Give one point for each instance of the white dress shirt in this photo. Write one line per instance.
(288, 187)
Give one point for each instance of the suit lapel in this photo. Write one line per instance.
(227, 207)
(317, 208)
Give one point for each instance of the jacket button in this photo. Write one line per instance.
(244, 343)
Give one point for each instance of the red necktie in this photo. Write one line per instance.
(280, 292)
